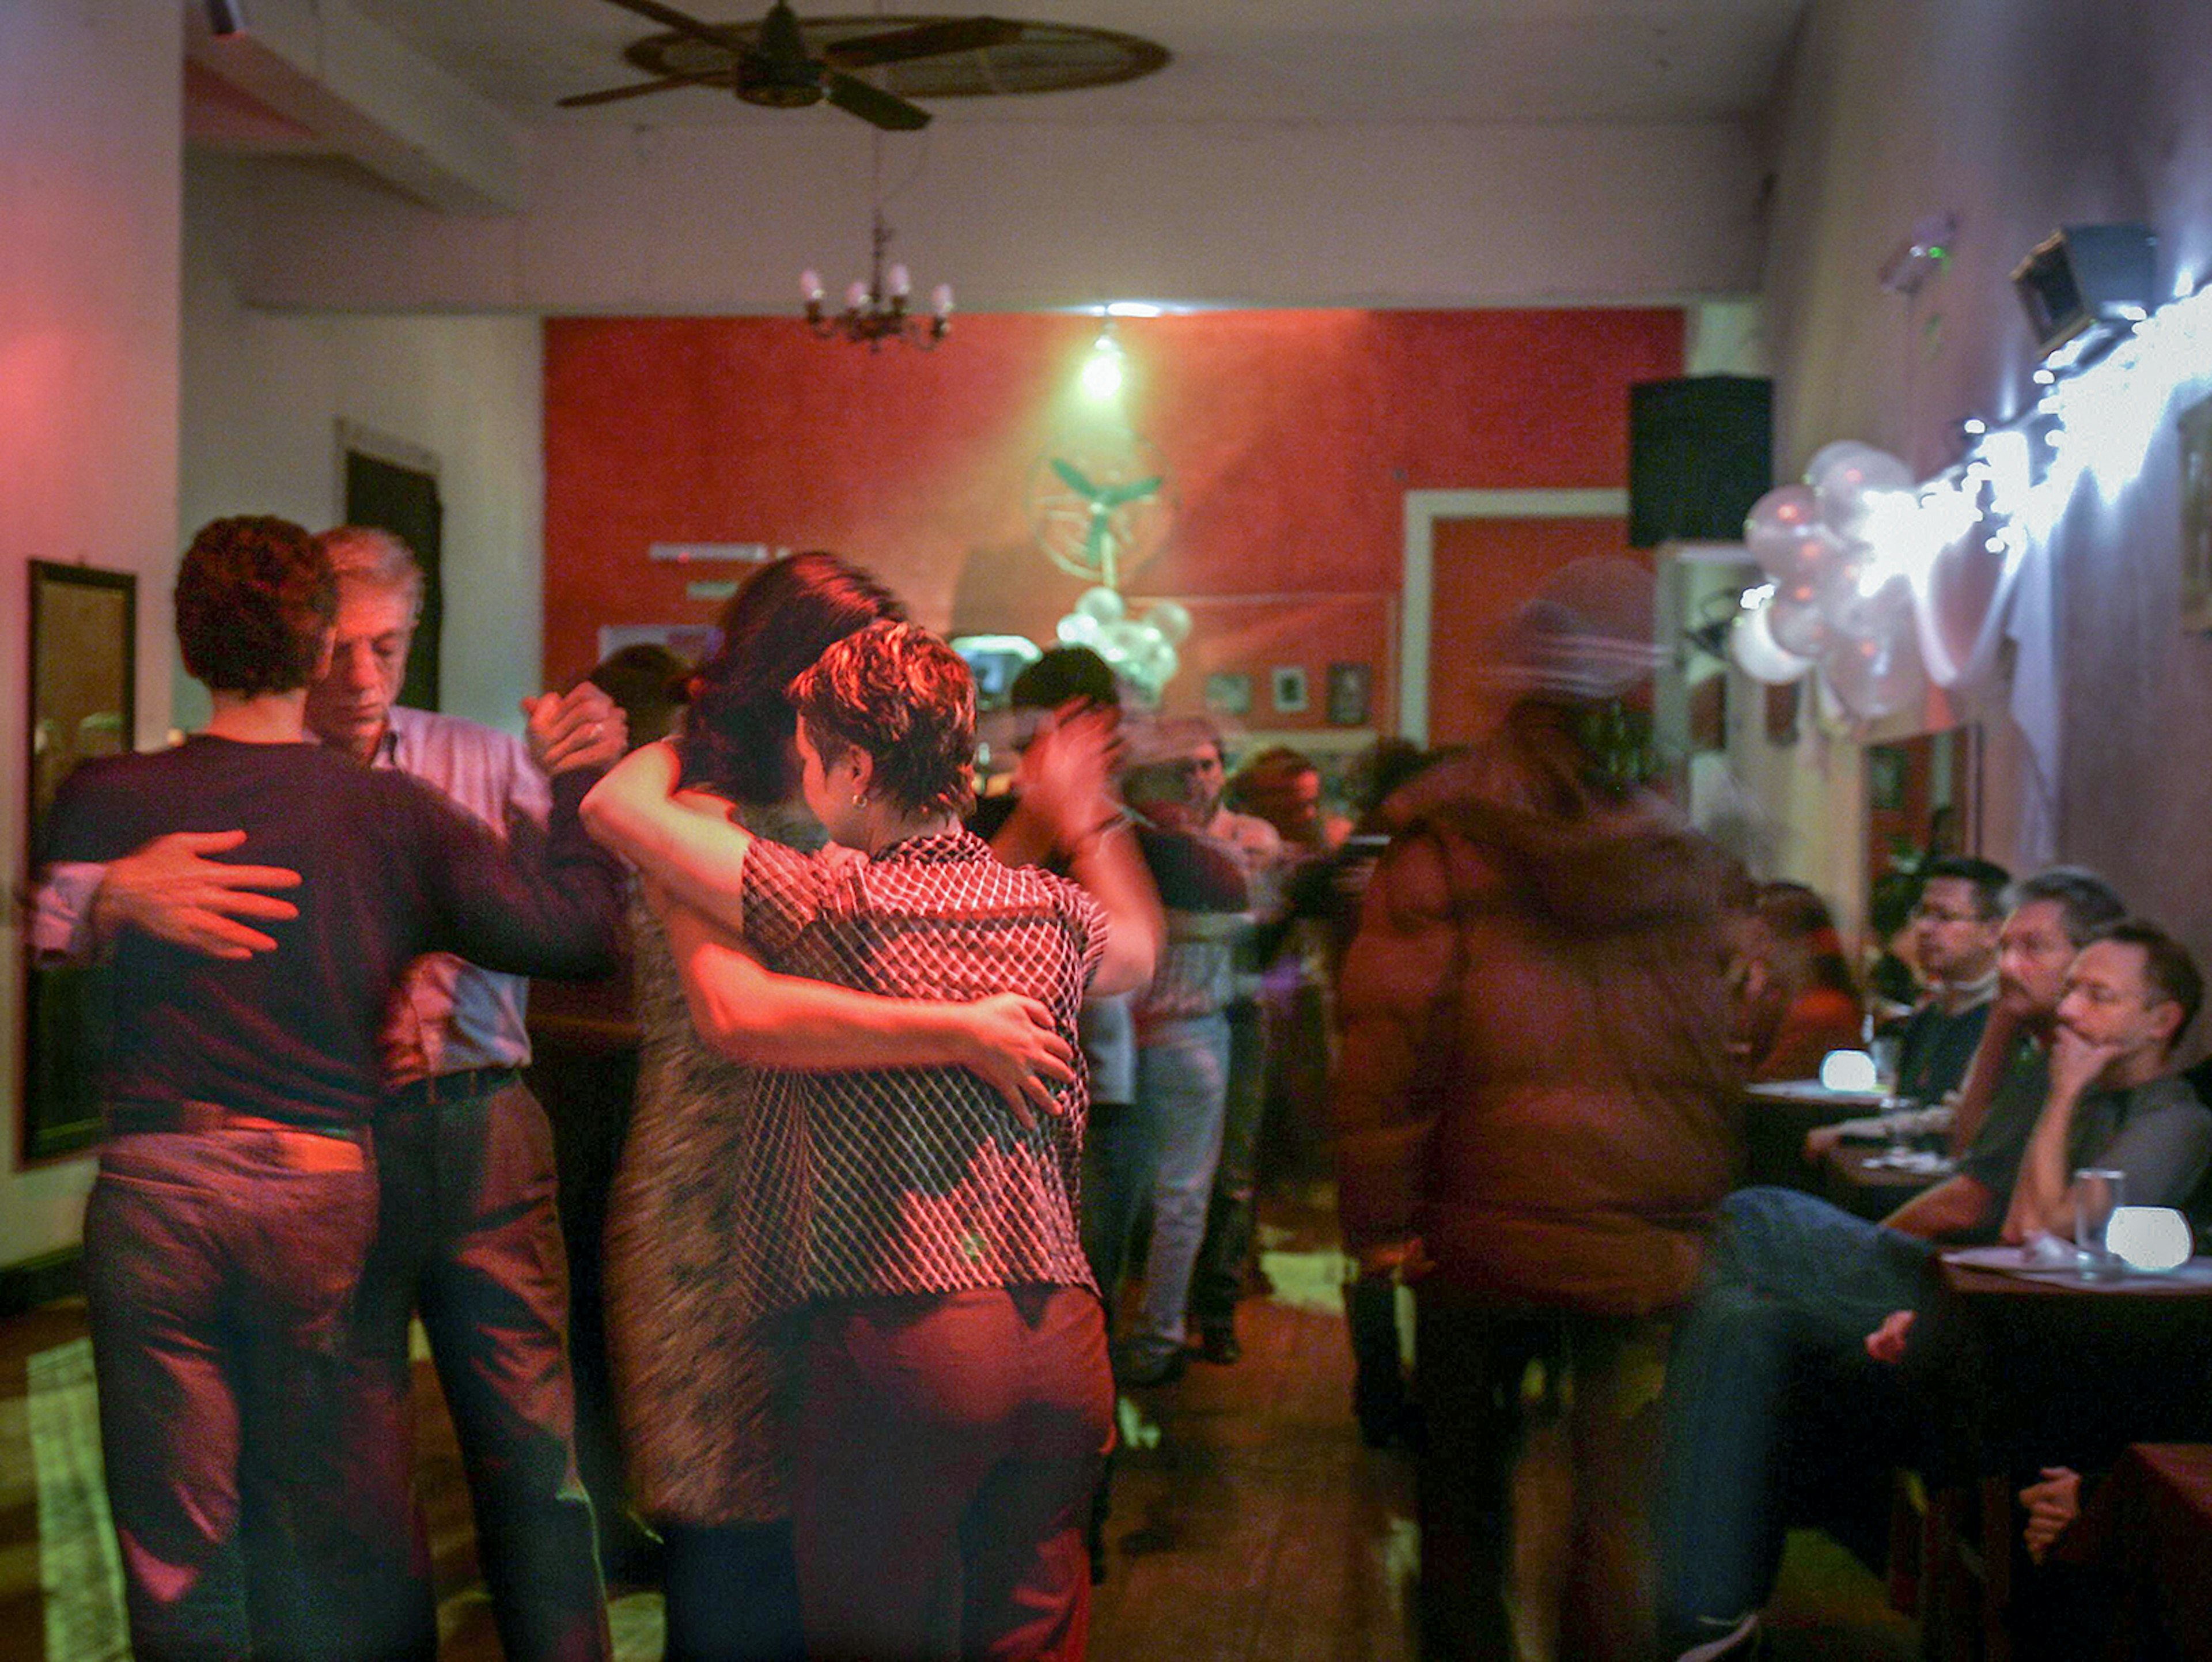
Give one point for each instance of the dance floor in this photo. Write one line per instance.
(1249, 1520)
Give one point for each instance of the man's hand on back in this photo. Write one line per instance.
(581, 728)
(170, 889)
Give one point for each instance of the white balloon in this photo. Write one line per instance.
(1102, 603)
(1784, 534)
(1851, 610)
(1121, 642)
(1172, 619)
(1751, 644)
(1844, 475)
(1875, 678)
(1078, 629)
(1796, 625)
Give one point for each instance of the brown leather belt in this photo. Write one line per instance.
(464, 1085)
(136, 1115)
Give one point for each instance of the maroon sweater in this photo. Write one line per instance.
(389, 870)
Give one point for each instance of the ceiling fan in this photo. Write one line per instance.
(775, 69)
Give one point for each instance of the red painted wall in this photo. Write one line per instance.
(1288, 440)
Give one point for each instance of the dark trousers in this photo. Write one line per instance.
(731, 1593)
(220, 1267)
(588, 1096)
(469, 1238)
(1534, 1488)
(947, 1446)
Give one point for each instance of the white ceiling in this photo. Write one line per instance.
(1534, 61)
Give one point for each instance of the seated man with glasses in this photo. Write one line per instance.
(1955, 938)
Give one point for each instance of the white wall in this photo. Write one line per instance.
(2019, 116)
(264, 394)
(1028, 216)
(89, 155)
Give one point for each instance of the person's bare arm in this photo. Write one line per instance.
(1955, 1206)
(1107, 863)
(1986, 1071)
(1062, 772)
(2043, 1194)
(173, 890)
(749, 1013)
(1065, 773)
(690, 847)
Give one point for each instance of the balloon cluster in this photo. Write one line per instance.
(1841, 551)
(1139, 649)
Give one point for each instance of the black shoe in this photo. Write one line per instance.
(1220, 1346)
(1152, 1370)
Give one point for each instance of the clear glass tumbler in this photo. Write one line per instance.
(2098, 1190)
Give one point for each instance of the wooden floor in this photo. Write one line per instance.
(1249, 1520)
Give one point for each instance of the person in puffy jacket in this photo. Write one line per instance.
(1535, 1123)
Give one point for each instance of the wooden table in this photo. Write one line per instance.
(2032, 1373)
(1776, 1118)
(1871, 1191)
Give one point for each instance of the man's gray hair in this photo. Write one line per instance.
(376, 558)
(2086, 902)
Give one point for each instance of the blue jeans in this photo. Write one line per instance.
(1770, 1390)
(1218, 1280)
(1182, 1082)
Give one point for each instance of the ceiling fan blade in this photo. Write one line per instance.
(872, 104)
(669, 17)
(615, 95)
(1135, 490)
(923, 40)
(1072, 478)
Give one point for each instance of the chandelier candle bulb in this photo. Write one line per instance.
(856, 297)
(810, 286)
(900, 284)
(940, 300)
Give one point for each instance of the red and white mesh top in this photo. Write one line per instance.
(920, 1179)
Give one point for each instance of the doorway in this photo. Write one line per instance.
(1472, 559)
(393, 485)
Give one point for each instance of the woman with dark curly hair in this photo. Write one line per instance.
(701, 1336)
(955, 1395)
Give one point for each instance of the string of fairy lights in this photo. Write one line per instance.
(2101, 403)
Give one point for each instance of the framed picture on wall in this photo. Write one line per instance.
(83, 703)
(1288, 684)
(1350, 691)
(2195, 426)
(1229, 691)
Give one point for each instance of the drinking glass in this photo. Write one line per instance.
(2097, 1191)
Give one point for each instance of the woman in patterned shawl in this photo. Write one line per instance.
(955, 1399)
(702, 1339)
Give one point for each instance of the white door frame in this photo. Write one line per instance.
(1417, 595)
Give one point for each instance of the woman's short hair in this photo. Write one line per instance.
(907, 701)
(737, 738)
(256, 599)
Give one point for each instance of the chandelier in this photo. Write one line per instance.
(876, 310)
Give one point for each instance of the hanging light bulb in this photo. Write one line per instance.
(1102, 370)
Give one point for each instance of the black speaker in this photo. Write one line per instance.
(2084, 275)
(226, 17)
(1700, 453)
